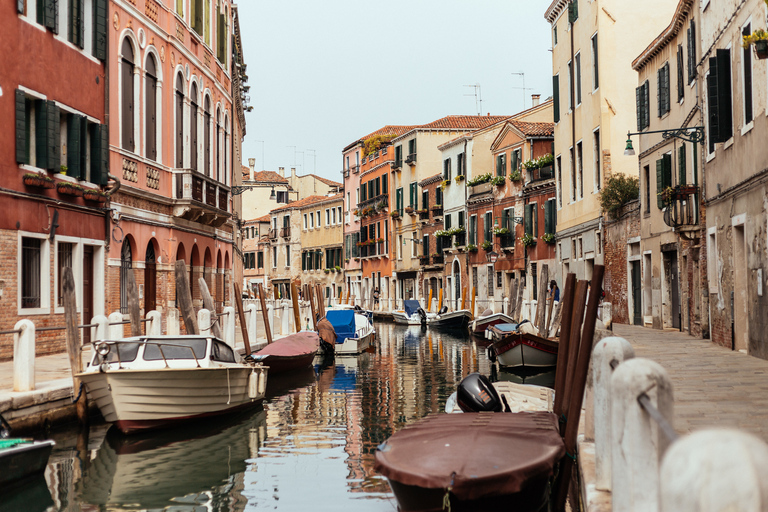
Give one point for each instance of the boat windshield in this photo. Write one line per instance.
(123, 352)
(175, 348)
(222, 352)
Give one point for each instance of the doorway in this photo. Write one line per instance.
(739, 299)
(637, 314)
(672, 279)
(150, 279)
(456, 284)
(87, 291)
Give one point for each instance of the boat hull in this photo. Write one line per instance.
(352, 346)
(401, 318)
(477, 327)
(281, 364)
(147, 399)
(524, 350)
(453, 320)
(22, 462)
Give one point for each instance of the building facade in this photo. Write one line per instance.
(256, 253)
(55, 165)
(593, 45)
(322, 236)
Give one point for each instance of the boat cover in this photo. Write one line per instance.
(292, 345)
(410, 307)
(505, 328)
(476, 454)
(343, 321)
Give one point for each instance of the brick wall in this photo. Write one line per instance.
(615, 282)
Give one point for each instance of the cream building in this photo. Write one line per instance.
(322, 237)
(593, 46)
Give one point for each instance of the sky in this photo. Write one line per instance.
(325, 74)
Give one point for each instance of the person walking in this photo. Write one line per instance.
(554, 291)
(376, 295)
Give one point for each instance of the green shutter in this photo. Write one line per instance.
(639, 107)
(659, 182)
(547, 218)
(535, 215)
(74, 145)
(505, 219)
(103, 155)
(681, 165)
(51, 14)
(573, 11)
(207, 18)
(80, 21)
(461, 219)
(515, 162)
(528, 220)
(44, 133)
(556, 97)
(22, 155)
(100, 30)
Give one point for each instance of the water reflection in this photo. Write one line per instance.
(311, 448)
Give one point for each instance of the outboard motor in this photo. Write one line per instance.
(443, 310)
(423, 315)
(477, 394)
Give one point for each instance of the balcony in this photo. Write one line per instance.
(374, 249)
(380, 203)
(411, 159)
(424, 260)
(681, 206)
(461, 239)
(356, 168)
(438, 259)
(285, 232)
(200, 198)
(396, 165)
(423, 214)
(507, 241)
(273, 234)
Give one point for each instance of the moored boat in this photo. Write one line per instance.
(22, 460)
(451, 319)
(354, 331)
(411, 314)
(152, 382)
(513, 347)
(293, 352)
(478, 326)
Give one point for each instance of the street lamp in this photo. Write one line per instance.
(492, 256)
(690, 134)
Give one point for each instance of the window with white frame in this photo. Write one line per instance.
(274, 257)
(595, 68)
(33, 272)
(327, 217)
(580, 168)
(306, 224)
(578, 79)
(317, 214)
(746, 76)
(598, 177)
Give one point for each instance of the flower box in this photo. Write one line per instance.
(94, 195)
(395, 214)
(761, 49)
(487, 246)
(69, 189)
(498, 181)
(472, 248)
(33, 179)
(409, 209)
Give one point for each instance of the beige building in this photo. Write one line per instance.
(666, 285)
(263, 191)
(311, 184)
(322, 237)
(733, 79)
(256, 253)
(593, 46)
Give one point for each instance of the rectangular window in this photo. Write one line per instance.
(720, 111)
(596, 146)
(460, 165)
(642, 100)
(398, 156)
(580, 168)
(554, 35)
(317, 214)
(647, 176)
(473, 229)
(680, 74)
(746, 56)
(501, 164)
(691, 51)
(556, 98)
(489, 271)
(559, 181)
(412, 149)
(595, 69)
(447, 221)
(413, 195)
(274, 257)
(578, 79)
(663, 177)
(327, 217)
(573, 11)
(570, 85)
(31, 272)
(260, 260)
(306, 225)
(461, 219)
(399, 200)
(447, 169)
(287, 255)
(488, 227)
(76, 23)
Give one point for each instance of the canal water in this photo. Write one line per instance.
(311, 447)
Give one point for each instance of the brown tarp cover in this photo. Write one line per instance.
(292, 345)
(327, 332)
(492, 454)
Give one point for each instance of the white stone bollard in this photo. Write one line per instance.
(286, 318)
(173, 328)
(251, 321)
(228, 326)
(116, 330)
(101, 331)
(24, 356)
(638, 443)
(607, 314)
(604, 354)
(715, 470)
(204, 322)
(506, 305)
(154, 326)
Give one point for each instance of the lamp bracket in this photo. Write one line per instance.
(689, 133)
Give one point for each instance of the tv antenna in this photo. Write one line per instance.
(523, 88)
(478, 98)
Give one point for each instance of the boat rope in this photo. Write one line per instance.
(229, 389)
(447, 496)
(570, 456)
(79, 394)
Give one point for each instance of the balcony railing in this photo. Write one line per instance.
(273, 234)
(374, 250)
(542, 174)
(507, 241)
(681, 206)
(438, 259)
(411, 159)
(423, 215)
(374, 201)
(461, 239)
(285, 232)
(200, 198)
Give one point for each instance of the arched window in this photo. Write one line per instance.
(179, 121)
(125, 269)
(126, 97)
(207, 131)
(193, 127)
(151, 114)
(218, 145)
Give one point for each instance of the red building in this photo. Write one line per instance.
(53, 156)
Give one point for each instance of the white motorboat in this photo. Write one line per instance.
(488, 318)
(412, 314)
(365, 312)
(519, 397)
(354, 331)
(150, 382)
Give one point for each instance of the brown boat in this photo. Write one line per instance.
(293, 352)
(515, 349)
(479, 461)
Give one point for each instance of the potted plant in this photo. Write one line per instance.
(444, 184)
(487, 245)
(395, 214)
(409, 209)
(64, 169)
(459, 178)
(437, 208)
(442, 233)
(759, 38)
(49, 183)
(327, 271)
(500, 231)
(338, 268)
(92, 194)
(515, 176)
(498, 181)
(471, 248)
(70, 189)
(549, 238)
(528, 240)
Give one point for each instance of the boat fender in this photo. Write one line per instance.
(263, 381)
(491, 354)
(476, 394)
(253, 384)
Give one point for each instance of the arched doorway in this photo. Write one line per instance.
(194, 273)
(126, 258)
(456, 283)
(150, 279)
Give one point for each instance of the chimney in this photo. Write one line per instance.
(535, 99)
(281, 171)
(293, 173)
(252, 164)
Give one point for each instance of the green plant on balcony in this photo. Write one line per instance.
(487, 245)
(423, 210)
(64, 169)
(382, 206)
(471, 248)
(437, 207)
(459, 178)
(456, 231)
(528, 240)
(338, 268)
(538, 163)
(498, 181)
(357, 212)
(618, 191)
(395, 214)
(373, 144)
(479, 180)
(549, 238)
(500, 231)
(444, 184)
(327, 271)
(759, 38)
(515, 176)
(442, 233)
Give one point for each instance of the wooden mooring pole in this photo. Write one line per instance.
(295, 299)
(184, 298)
(73, 346)
(210, 306)
(241, 316)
